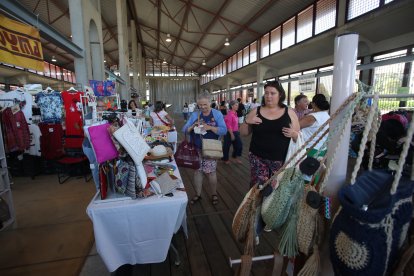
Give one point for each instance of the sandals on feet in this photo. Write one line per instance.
(214, 199)
(195, 199)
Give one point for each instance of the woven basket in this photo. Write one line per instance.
(306, 223)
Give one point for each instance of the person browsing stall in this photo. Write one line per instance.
(233, 135)
(310, 123)
(269, 144)
(212, 121)
(301, 106)
(159, 117)
(132, 105)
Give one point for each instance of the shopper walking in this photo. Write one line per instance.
(211, 121)
(241, 111)
(233, 135)
(269, 145)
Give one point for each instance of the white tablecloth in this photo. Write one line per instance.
(136, 231)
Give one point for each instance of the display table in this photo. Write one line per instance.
(137, 231)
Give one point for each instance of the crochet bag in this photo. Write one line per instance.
(371, 225)
(276, 207)
(102, 143)
(132, 141)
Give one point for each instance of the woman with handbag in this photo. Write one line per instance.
(269, 144)
(159, 117)
(211, 121)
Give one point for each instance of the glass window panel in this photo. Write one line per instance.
(52, 71)
(65, 75)
(224, 67)
(70, 76)
(275, 40)
(157, 68)
(73, 77)
(325, 15)
(294, 91)
(359, 7)
(288, 38)
(164, 69)
(305, 24)
(246, 56)
(234, 62)
(325, 85)
(240, 59)
(173, 70)
(264, 51)
(229, 63)
(390, 55)
(253, 52)
(58, 73)
(46, 69)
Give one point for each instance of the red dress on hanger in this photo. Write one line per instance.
(73, 118)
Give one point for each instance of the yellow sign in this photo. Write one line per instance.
(20, 44)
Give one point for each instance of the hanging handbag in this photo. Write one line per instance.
(275, 208)
(121, 176)
(103, 182)
(102, 144)
(241, 220)
(132, 141)
(376, 209)
(212, 148)
(187, 155)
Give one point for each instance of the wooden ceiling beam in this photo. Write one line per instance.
(185, 18)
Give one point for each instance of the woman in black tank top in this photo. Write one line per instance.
(269, 144)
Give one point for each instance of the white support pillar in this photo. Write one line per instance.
(345, 56)
(141, 72)
(76, 25)
(260, 73)
(134, 46)
(86, 26)
(121, 20)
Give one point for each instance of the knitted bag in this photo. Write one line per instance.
(275, 208)
(240, 225)
(376, 209)
(371, 226)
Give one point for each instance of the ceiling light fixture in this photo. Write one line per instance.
(168, 39)
(164, 61)
(53, 59)
(204, 62)
(227, 43)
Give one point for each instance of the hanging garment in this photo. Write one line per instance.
(24, 99)
(51, 141)
(35, 135)
(50, 104)
(16, 131)
(73, 112)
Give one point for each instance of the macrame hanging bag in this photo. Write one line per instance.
(376, 208)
